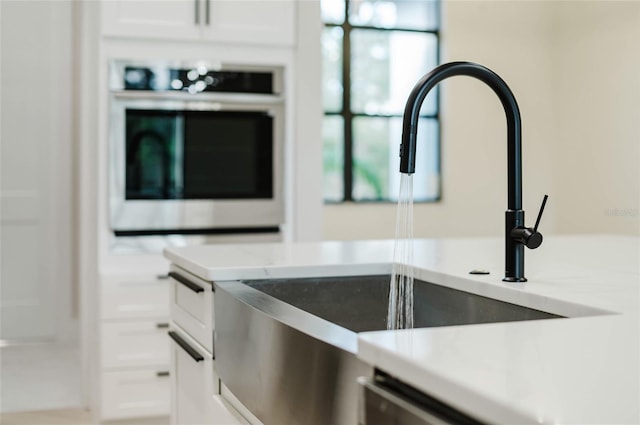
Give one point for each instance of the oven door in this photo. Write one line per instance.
(179, 164)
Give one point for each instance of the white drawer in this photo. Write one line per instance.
(191, 302)
(135, 394)
(195, 386)
(133, 344)
(134, 298)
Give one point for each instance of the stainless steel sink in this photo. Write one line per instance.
(360, 303)
(286, 347)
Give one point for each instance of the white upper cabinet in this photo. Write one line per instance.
(175, 19)
(252, 21)
(266, 22)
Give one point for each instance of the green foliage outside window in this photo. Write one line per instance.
(390, 45)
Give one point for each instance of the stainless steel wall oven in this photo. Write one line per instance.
(195, 148)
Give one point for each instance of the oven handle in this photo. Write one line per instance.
(242, 98)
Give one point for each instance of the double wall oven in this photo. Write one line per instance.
(195, 148)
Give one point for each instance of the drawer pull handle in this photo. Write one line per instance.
(162, 276)
(162, 374)
(186, 347)
(162, 325)
(178, 278)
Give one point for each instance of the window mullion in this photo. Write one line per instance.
(346, 107)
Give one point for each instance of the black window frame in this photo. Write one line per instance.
(348, 115)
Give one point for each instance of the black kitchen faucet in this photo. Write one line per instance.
(517, 236)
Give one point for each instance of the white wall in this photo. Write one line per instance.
(535, 47)
(597, 143)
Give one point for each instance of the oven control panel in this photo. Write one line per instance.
(196, 80)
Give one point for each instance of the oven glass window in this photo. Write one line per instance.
(198, 155)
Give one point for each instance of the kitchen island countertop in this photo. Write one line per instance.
(581, 370)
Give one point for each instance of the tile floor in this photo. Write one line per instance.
(69, 417)
(40, 377)
(47, 417)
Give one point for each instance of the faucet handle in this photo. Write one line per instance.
(544, 202)
(530, 238)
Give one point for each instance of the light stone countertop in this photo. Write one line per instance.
(581, 370)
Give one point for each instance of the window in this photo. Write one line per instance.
(374, 51)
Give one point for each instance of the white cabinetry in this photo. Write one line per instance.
(134, 344)
(134, 394)
(265, 22)
(195, 398)
(36, 188)
(195, 385)
(192, 307)
(134, 347)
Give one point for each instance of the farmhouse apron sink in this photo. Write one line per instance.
(286, 348)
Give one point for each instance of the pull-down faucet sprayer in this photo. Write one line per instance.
(517, 236)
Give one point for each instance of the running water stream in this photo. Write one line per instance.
(400, 310)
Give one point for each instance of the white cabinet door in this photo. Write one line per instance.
(174, 19)
(195, 398)
(268, 22)
(35, 162)
(264, 22)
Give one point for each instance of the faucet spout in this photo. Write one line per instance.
(515, 235)
(514, 129)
